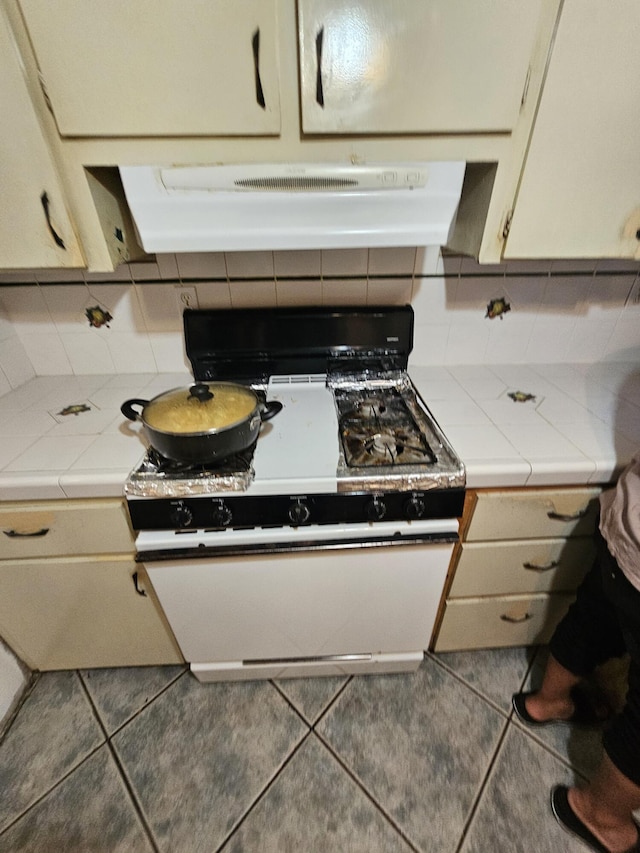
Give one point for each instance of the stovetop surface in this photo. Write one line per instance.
(351, 420)
(344, 434)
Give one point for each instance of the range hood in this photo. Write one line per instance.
(292, 206)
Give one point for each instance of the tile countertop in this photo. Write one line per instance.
(578, 424)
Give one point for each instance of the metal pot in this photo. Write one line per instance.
(204, 423)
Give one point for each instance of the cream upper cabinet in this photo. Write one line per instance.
(579, 193)
(35, 228)
(435, 66)
(158, 67)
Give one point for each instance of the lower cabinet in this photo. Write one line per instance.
(521, 557)
(77, 612)
(71, 593)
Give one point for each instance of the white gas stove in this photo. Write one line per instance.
(324, 547)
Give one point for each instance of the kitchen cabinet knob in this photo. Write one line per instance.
(534, 567)
(319, 87)
(57, 239)
(516, 620)
(15, 533)
(559, 516)
(255, 44)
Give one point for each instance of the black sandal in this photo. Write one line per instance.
(584, 712)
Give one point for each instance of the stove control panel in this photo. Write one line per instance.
(238, 510)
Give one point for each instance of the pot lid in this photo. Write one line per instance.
(204, 407)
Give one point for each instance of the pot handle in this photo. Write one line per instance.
(129, 412)
(270, 410)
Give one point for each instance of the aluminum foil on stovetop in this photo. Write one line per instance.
(149, 481)
(441, 468)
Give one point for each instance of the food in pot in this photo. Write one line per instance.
(183, 412)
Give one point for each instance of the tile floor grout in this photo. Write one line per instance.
(324, 710)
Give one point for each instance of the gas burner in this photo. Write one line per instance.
(155, 463)
(387, 446)
(369, 407)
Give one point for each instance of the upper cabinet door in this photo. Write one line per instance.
(35, 228)
(579, 193)
(414, 66)
(158, 67)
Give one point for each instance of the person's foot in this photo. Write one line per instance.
(542, 710)
(615, 837)
(580, 707)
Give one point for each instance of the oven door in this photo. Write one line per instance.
(324, 600)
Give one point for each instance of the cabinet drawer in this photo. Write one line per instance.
(532, 565)
(51, 528)
(533, 514)
(510, 620)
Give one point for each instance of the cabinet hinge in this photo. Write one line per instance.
(525, 90)
(43, 86)
(507, 224)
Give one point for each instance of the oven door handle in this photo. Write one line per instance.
(262, 549)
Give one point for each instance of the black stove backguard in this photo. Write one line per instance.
(249, 345)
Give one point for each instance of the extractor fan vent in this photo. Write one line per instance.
(291, 184)
(298, 177)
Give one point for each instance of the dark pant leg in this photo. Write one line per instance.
(621, 739)
(590, 632)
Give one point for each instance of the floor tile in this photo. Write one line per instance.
(420, 744)
(310, 696)
(513, 814)
(53, 732)
(118, 694)
(495, 673)
(314, 805)
(90, 810)
(201, 754)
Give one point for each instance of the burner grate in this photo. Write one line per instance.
(237, 463)
(377, 429)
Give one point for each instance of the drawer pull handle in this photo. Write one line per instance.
(515, 620)
(559, 516)
(319, 86)
(533, 567)
(137, 587)
(255, 44)
(14, 534)
(57, 239)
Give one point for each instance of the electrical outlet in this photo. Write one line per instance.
(186, 297)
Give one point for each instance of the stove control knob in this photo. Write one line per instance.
(299, 513)
(376, 509)
(415, 507)
(181, 516)
(221, 515)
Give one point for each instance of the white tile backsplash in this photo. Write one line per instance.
(46, 353)
(15, 362)
(389, 291)
(562, 311)
(249, 264)
(352, 291)
(253, 294)
(345, 262)
(297, 263)
(202, 265)
(392, 261)
(299, 292)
